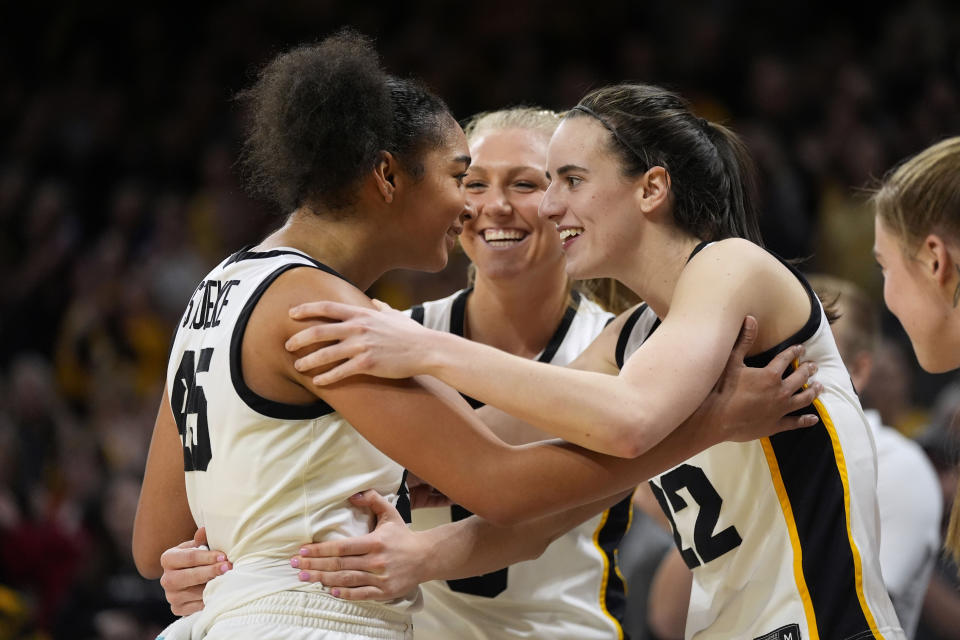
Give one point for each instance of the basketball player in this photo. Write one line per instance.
(521, 301)
(246, 446)
(781, 533)
(918, 248)
(908, 490)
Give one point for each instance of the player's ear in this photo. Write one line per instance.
(653, 192)
(385, 176)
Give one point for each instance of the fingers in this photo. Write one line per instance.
(748, 333)
(795, 381)
(326, 309)
(361, 593)
(789, 423)
(422, 496)
(340, 548)
(379, 505)
(327, 355)
(187, 608)
(804, 398)
(341, 578)
(183, 603)
(413, 480)
(381, 306)
(183, 579)
(186, 544)
(185, 558)
(350, 585)
(318, 333)
(351, 367)
(331, 564)
(784, 359)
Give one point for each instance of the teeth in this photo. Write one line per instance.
(570, 233)
(503, 234)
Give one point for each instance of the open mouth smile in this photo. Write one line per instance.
(569, 234)
(503, 237)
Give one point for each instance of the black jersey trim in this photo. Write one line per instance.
(557, 338)
(417, 313)
(458, 323)
(487, 585)
(403, 499)
(458, 313)
(625, 332)
(608, 539)
(806, 332)
(810, 473)
(247, 254)
(697, 249)
(264, 406)
(458, 328)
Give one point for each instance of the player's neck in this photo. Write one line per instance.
(516, 315)
(656, 266)
(345, 243)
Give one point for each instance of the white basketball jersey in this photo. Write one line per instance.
(263, 477)
(782, 533)
(574, 591)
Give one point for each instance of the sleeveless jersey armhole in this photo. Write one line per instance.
(265, 406)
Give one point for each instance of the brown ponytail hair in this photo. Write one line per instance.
(711, 174)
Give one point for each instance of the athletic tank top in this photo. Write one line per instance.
(263, 477)
(574, 591)
(782, 533)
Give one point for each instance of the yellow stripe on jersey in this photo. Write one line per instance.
(794, 537)
(616, 552)
(842, 467)
(606, 574)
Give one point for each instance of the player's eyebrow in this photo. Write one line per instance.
(568, 168)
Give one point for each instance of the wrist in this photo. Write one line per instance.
(702, 431)
(430, 566)
(434, 352)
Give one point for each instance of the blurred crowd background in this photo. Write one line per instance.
(118, 192)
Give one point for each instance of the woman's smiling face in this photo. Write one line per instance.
(912, 296)
(504, 186)
(589, 199)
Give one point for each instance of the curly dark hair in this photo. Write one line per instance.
(319, 116)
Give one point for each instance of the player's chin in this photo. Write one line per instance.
(935, 360)
(578, 269)
(437, 260)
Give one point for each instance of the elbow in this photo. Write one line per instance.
(145, 558)
(538, 545)
(146, 567)
(628, 440)
(666, 624)
(503, 513)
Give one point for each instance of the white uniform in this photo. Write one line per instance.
(909, 493)
(574, 591)
(782, 533)
(265, 477)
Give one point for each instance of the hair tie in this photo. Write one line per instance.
(704, 123)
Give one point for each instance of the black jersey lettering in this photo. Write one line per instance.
(707, 545)
(207, 304)
(189, 406)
